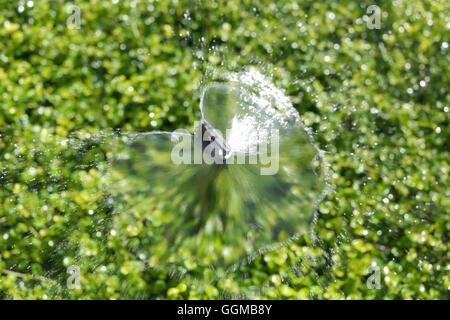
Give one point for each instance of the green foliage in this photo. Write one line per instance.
(377, 100)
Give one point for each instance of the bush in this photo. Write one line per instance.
(377, 100)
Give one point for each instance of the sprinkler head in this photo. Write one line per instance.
(211, 135)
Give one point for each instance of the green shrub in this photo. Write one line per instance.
(377, 100)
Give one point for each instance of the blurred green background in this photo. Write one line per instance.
(376, 99)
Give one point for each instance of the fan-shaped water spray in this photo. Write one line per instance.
(221, 214)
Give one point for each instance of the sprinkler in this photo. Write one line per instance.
(212, 136)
